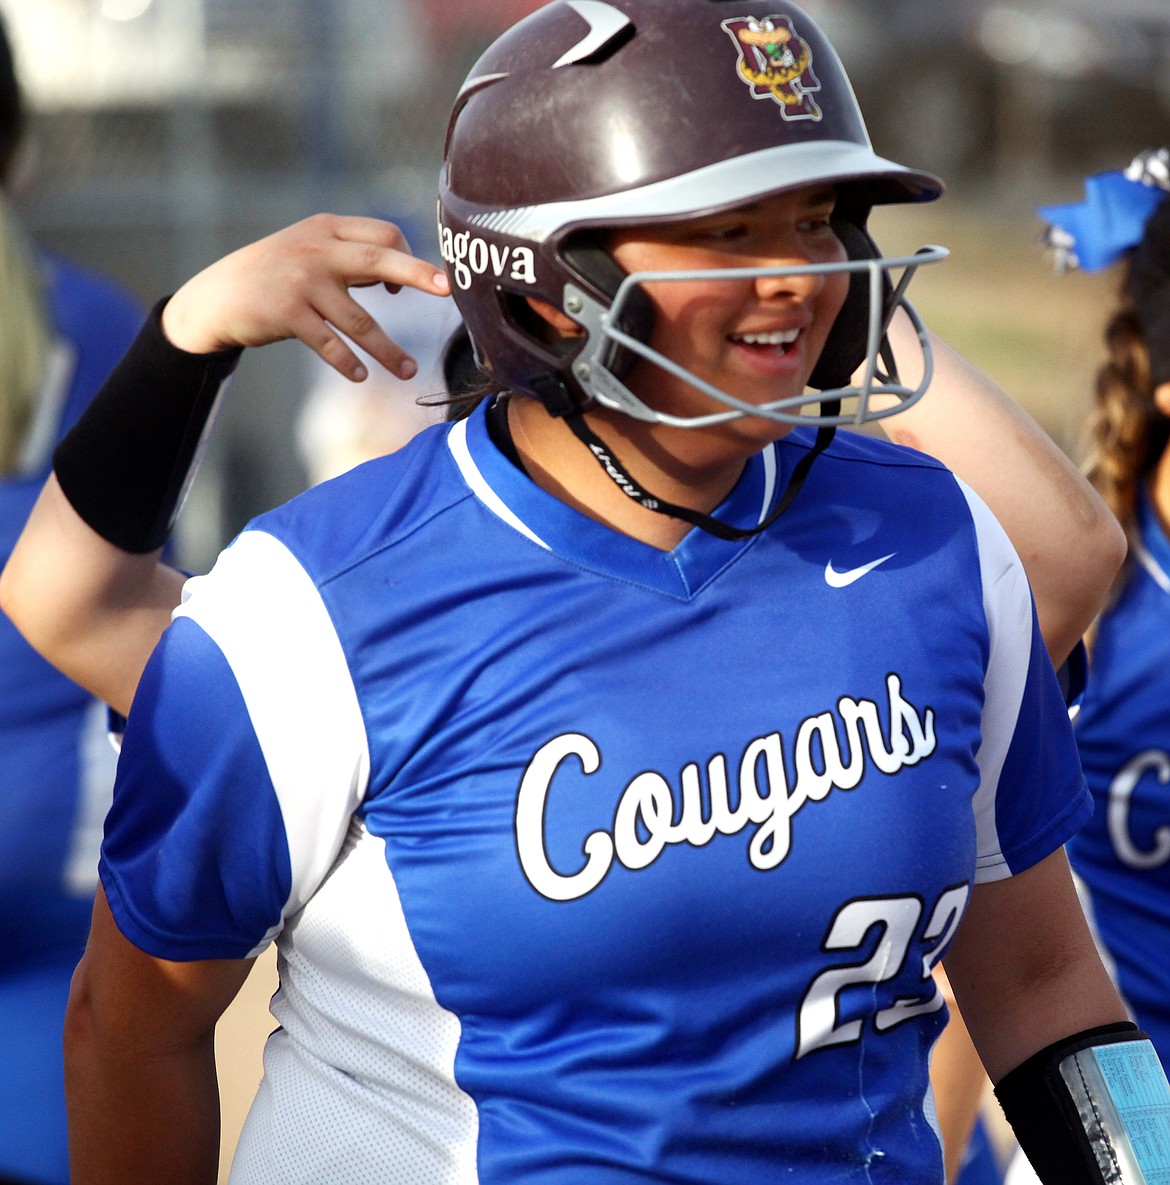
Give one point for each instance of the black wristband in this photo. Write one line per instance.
(1042, 1112)
(127, 463)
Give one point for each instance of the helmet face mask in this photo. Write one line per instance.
(605, 339)
(578, 122)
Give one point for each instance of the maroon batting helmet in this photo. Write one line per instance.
(595, 114)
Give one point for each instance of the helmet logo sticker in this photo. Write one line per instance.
(776, 63)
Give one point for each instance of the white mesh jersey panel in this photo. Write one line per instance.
(364, 1047)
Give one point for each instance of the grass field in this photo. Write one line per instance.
(999, 302)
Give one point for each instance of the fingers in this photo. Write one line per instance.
(373, 230)
(360, 251)
(296, 284)
(357, 265)
(341, 312)
(370, 250)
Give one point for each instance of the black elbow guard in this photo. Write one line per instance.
(1092, 1109)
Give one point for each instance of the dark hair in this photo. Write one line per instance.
(11, 108)
(1127, 434)
(465, 385)
(1148, 285)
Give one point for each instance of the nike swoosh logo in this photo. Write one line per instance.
(835, 579)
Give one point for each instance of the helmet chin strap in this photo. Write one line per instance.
(620, 476)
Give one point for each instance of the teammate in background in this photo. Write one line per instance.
(61, 331)
(1122, 722)
(583, 866)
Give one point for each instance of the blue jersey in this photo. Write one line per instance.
(589, 862)
(56, 764)
(1123, 732)
(980, 1163)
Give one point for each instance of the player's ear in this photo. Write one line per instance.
(1162, 398)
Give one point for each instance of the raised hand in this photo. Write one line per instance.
(295, 284)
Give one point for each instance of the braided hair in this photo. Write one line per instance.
(1126, 432)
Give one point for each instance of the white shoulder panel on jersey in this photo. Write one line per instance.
(1007, 602)
(457, 443)
(264, 612)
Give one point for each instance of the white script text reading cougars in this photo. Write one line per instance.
(648, 816)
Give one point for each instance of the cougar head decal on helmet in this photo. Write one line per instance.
(776, 62)
(591, 115)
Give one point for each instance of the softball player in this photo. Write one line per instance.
(612, 765)
(56, 767)
(1123, 726)
(61, 331)
(1121, 856)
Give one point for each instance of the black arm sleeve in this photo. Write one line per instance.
(127, 463)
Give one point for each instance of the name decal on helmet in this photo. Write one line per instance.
(471, 256)
(776, 63)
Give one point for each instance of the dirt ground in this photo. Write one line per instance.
(239, 1047)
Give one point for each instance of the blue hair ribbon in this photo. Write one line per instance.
(1102, 228)
(1095, 233)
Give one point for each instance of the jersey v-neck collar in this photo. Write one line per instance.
(549, 523)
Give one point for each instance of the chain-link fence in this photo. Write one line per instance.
(165, 133)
